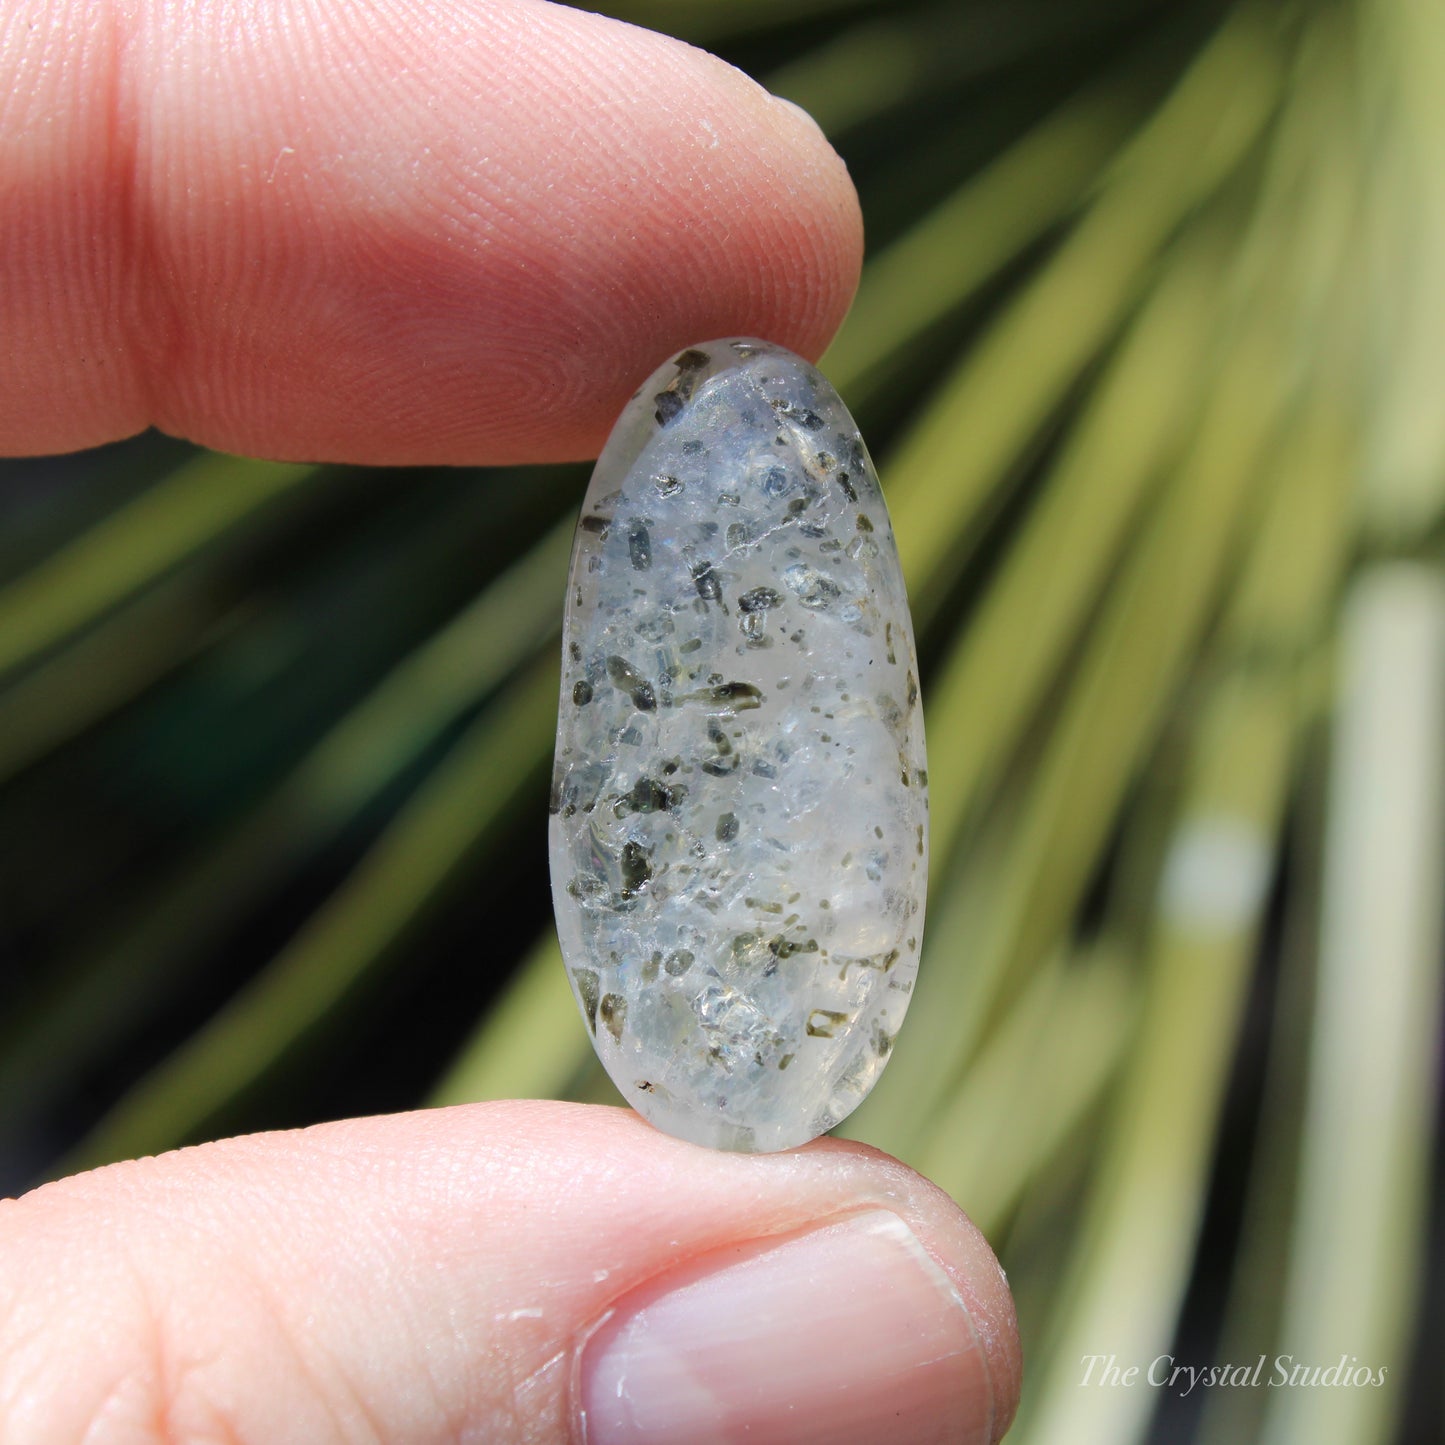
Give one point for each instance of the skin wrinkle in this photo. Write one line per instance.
(304, 1360)
(331, 1382)
(51, 192)
(140, 1394)
(413, 235)
(148, 318)
(422, 1331)
(169, 1380)
(29, 1379)
(388, 1247)
(344, 1399)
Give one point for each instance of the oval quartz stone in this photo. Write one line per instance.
(739, 830)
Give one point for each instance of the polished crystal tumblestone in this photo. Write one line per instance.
(739, 830)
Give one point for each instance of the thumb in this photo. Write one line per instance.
(509, 1272)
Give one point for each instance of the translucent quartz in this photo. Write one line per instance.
(739, 830)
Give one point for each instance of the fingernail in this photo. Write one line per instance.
(847, 1333)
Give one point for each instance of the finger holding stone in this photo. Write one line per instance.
(509, 1272)
(386, 232)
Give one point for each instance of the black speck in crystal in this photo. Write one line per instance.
(775, 481)
(627, 679)
(759, 599)
(727, 827)
(587, 988)
(706, 582)
(726, 760)
(669, 404)
(786, 947)
(813, 588)
(849, 490)
(863, 524)
(639, 546)
(582, 693)
(738, 696)
(613, 1013)
(667, 486)
(598, 526)
(636, 869)
(647, 796)
(678, 962)
(810, 420)
(691, 360)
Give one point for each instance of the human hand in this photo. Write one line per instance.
(443, 232)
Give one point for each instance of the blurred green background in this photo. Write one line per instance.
(1148, 351)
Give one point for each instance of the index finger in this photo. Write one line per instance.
(441, 232)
